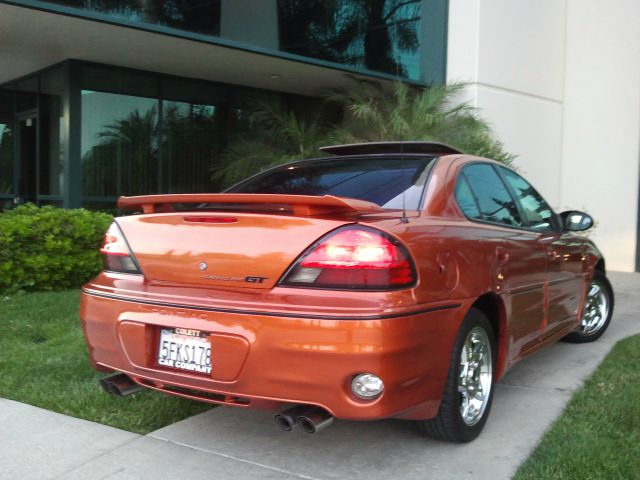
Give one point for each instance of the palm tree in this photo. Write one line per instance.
(405, 113)
(274, 134)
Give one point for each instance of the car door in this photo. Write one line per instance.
(565, 255)
(520, 258)
(567, 264)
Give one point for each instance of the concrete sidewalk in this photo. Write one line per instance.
(239, 444)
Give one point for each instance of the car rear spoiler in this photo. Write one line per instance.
(302, 205)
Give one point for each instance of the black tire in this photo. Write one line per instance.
(594, 322)
(449, 424)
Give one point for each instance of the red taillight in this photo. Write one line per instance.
(117, 254)
(357, 258)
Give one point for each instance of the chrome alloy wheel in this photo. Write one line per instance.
(475, 377)
(596, 309)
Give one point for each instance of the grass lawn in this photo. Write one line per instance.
(598, 436)
(43, 362)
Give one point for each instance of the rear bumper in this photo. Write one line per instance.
(262, 360)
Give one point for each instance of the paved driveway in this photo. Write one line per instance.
(232, 443)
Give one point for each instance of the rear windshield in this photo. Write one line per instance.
(382, 181)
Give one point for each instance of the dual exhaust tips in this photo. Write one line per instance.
(311, 419)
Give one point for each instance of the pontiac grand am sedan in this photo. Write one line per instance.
(387, 280)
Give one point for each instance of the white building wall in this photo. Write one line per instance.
(601, 150)
(543, 72)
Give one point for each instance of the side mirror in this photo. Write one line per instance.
(575, 221)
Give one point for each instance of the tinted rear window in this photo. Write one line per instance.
(379, 180)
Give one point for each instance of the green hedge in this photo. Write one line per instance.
(49, 248)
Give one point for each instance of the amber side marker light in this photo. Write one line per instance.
(116, 252)
(353, 258)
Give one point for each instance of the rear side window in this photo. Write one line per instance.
(493, 199)
(538, 213)
(465, 199)
(385, 181)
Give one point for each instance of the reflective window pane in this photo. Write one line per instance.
(193, 136)
(538, 213)
(202, 16)
(52, 133)
(383, 36)
(378, 35)
(116, 80)
(386, 181)
(6, 157)
(119, 145)
(27, 94)
(465, 199)
(494, 200)
(6, 142)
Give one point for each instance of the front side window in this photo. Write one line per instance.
(537, 212)
(390, 182)
(493, 199)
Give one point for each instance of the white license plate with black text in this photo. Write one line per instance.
(184, 349)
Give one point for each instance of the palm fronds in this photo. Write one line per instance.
(371, 114)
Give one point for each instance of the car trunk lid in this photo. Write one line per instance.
(219, 245)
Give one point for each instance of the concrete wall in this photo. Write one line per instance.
(560, 82)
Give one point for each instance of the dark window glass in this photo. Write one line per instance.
(465, 199)
(6, 157)
(379, 35)
(538, 213)
(27, 94)
(202, 16)
(388, 182)
(193, 136)
(52, 133)
(119, 145)
(494, 200)
(27, 156)
(115, 80)
(6, 142)
(189, 91)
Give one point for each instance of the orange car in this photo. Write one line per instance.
(391, 280)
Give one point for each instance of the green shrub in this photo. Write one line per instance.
(49, 248)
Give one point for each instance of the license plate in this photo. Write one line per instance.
(184, 349)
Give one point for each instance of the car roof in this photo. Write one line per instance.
(400, 147)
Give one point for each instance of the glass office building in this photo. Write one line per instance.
(102, 98)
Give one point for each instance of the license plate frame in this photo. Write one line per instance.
(184, 350)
